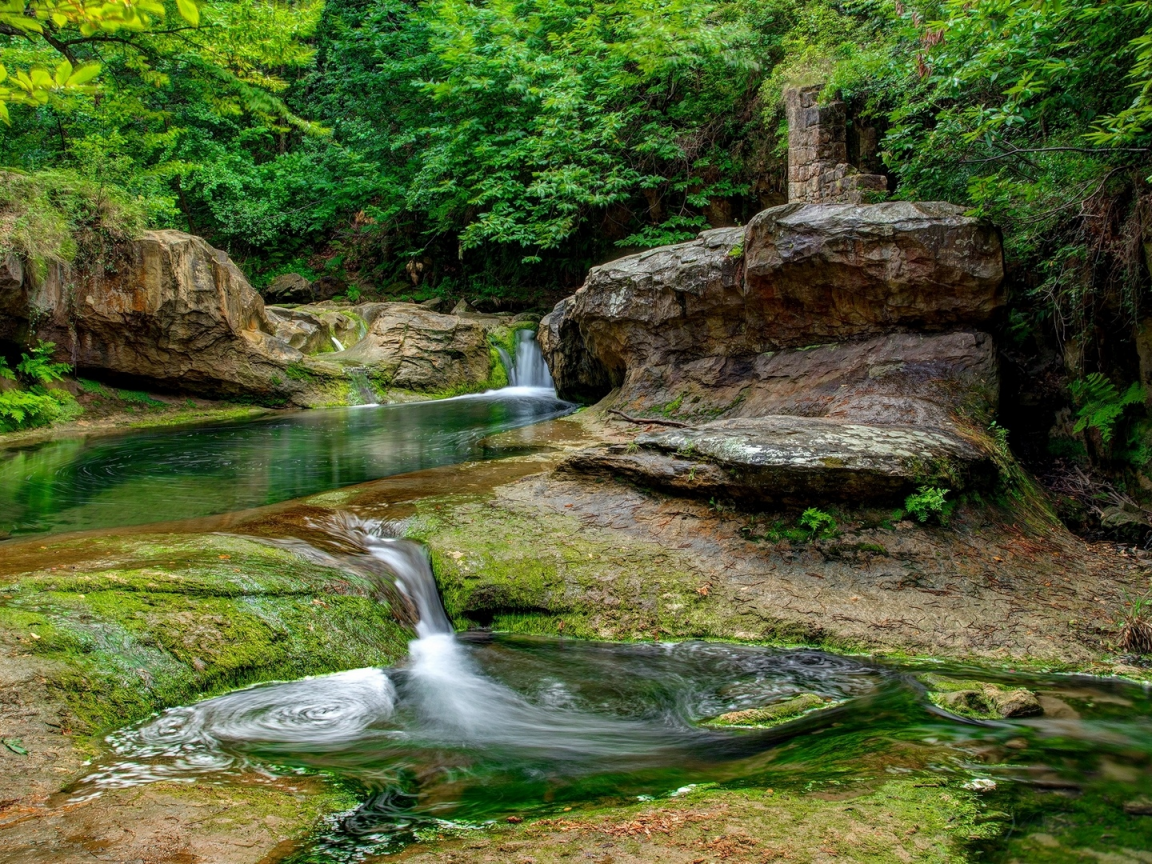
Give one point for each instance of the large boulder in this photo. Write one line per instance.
(409, 347)
(827, 272)
(316, 329)
(824, 352)
(290, 288)
(169, 308)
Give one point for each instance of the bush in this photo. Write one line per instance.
(817, 522)
(928, 502)
(27, 409)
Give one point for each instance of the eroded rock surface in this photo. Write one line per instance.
(844, 338)
(169, 308)
(780, 459)
(841, 271)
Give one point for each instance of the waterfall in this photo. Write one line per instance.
(529, 368)
(358, 377)
(336, 342)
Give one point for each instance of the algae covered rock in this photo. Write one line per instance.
(773, 715)
(981, 700)
(133, 626)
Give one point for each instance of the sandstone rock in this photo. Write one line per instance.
(780, 459)
(463, 308)
(579, 376)
(290, 288)
(903, 378)
(819, 273)
(169, 308)
(317, 330)
(413, 348)
(434, 304)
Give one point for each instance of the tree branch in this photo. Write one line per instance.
(641, 421)
(1093, 150)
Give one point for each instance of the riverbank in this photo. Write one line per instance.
(106, 410)
(100, 629)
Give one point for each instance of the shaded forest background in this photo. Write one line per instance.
(504, 146)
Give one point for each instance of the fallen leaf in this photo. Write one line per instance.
(15, 746)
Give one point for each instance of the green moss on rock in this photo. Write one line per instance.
(772, 715)
(163, 621)
(980, 700)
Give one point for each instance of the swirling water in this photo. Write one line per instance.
(469, 729)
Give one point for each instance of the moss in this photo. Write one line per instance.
(498, 376)
(772, 715)
(914, 819)
(979, 700)
(545, 573)
(168, 620)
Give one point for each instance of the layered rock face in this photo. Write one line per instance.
(168, 308)
(825, 351)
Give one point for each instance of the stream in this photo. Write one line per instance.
(481, 726)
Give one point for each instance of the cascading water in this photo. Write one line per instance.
(337, 344)
(473, 729)
(358, 377)
(528, 368)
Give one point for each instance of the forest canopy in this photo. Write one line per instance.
(510, 144)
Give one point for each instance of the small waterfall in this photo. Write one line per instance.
(507, 361)
(358, 377)
(336, 342)
(529, 368)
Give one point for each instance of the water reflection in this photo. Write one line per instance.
(186, 473)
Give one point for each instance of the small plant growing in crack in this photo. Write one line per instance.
(1136, 625)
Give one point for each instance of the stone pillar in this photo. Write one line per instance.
(818, 167)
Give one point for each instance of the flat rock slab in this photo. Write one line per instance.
(792, 459)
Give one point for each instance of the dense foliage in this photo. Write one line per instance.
(494, 149)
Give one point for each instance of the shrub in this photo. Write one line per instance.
(1100, 404)
(26, 409)
(928, 502)
(817, 522)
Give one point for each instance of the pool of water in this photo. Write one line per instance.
(482, 726)
(156, 476)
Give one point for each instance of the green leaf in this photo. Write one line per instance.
(15, 745)
(189, 11)
(63, 73)
(84, 74)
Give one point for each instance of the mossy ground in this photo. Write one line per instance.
(163, 620)
(917, 820)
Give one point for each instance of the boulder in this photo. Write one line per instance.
(290, 288)
(167, 308)
(828, 272)
(579, 376)
(800, 275)
(409, 347)
(981, 700)
(317, 330)
(779, 459)
(463, 308)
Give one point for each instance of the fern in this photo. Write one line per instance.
(1100, 403)
(38, 366)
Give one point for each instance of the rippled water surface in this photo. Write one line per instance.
(483, 726)
(156, 476)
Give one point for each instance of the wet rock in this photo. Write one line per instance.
(786, 459)
(981, 700)
(841, 271)
(290, 288)
(413, 348)
(772, 715)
